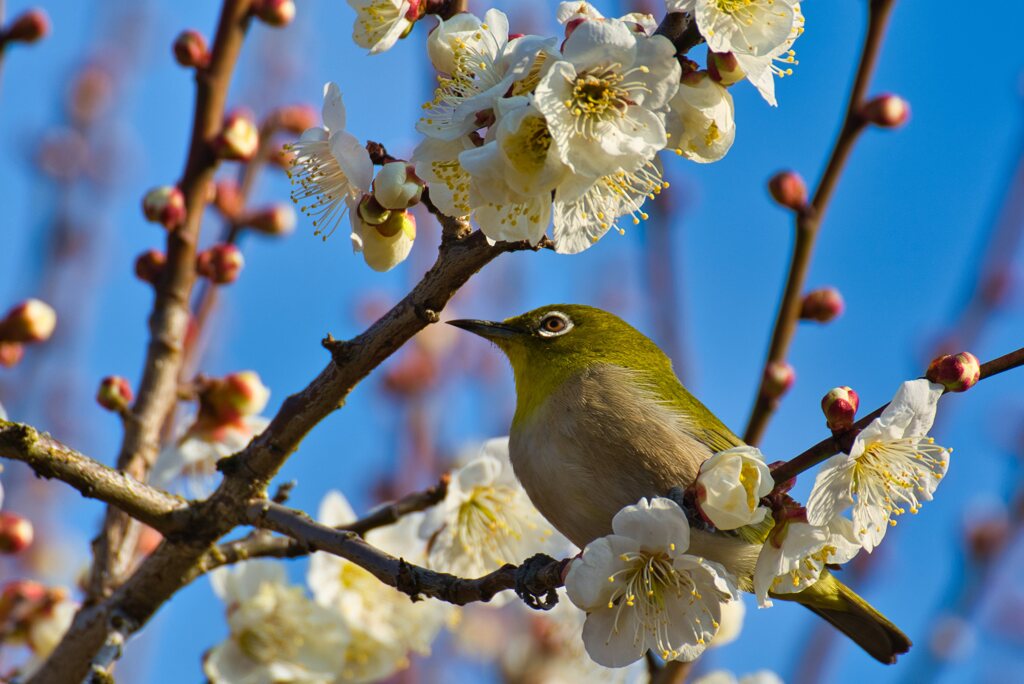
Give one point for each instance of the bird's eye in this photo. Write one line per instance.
(554, 324)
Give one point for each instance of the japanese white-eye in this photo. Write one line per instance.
(602, 420)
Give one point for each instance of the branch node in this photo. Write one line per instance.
(426, 314)
(536, 582)
(407, 582)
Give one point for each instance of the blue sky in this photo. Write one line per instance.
(908, 219)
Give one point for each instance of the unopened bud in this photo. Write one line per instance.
(31, 321)
(887, 111)
(11, 353)
(28, 27)
(149, 266)
(221, 263)
(788, 189)
(956, 372)
(15, 532)
(724, 68)
(234, 396)
(840, 407)
(165, 205)
(987, 537)
(779, 376)
(190, 49)
(239, 138)
(822, 305)
(114, 393)
(227, 197)
(282, 158)
(296, 118)
(397, 222)
(397, 186)
(371, 211)
(277, 219)
(275, 12)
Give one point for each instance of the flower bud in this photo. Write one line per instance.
(114, 393)
(840, 406)
(275, 12)
(28, 27)
(370, 211)
(11, 353)
(386, 245)
(277, 219)
(282, 158)
(724, 68)
(887, 111)
(190, 49)
(239, 138)
(149, 266)
(987, 537)
(730, 485)
(296, 118)
(779, 376)
(956, 372)
(15, 532)
(221, 263)
(165, 205)
(30, 321)
(227, 197)
(397, 186)
(788, 189)
(822, 305)
(234, 396)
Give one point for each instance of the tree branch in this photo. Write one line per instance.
(808, 220)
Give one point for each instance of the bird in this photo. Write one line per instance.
(602, 420)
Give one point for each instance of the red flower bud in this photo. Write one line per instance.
(239, 138)
(15, 532)
(221, 263)
(165, 205)
(149, 266)
(779, 376)
(227, 197)
(11, 353)
(840, 406)
(887, 111)
(235, 396)
(788, 189)
(724, 68)
(296, 118)
(822, 305)
(190, 49)
(275, 12)
(28, 27)
(114, 393)
(277, 219)
(30, 321)
(956, 372)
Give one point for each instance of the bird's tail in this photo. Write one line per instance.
(854, 617)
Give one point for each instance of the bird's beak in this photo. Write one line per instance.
(490, 330)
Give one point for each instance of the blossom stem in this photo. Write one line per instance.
(841, 441)
(808, 220)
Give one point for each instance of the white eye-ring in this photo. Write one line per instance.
(553, 324)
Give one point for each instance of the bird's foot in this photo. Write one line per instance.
(686, 497)
(537, 581)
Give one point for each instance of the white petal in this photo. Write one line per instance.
(601, 42)
(610, 640)
(833, 490)
(335, 510)
(353, 159)
(657, 524)
(333, 112)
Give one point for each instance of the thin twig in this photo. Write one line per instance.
(808, 221)
(673, 672)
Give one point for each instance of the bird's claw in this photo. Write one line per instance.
(687, 500)
(537, 581)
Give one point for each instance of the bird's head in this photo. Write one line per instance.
(549, 345)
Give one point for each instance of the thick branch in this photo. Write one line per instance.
(808, 220)
(51, 459)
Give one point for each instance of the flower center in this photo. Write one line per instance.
(808, 569)
(603, 94)
(527, 150)
(273, 635)
(733, 6)
(892, 474)
(376, 19)
(489, 525)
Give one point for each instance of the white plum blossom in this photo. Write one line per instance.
(383, 245)
(795, 555)
(447, 37)
(726, 677)
(278, 635)
(380, 23)
(701, 124)
(573, 11)
(730, 486)
(382, 623)
(892, 467)
(486, 519)
(603, 99)
(730, 624)
(437, 163)
(331, 167)
(753, 27)
(643, 592)
(761, 70)
(194, 454)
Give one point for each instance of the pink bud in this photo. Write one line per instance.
(149, 266)
(31, 321)
(275, 12)
(165, 205)
(239, 138)
(296, 118)
(724, 68)
(822, 305)
(232, 397)
(28, 27)
(277, 219)
(114, 393)
(227, 197)
(221, 263)
(887, 111)
(956, 372)
(840, 406)
(11, 353)
(15, 532)
(788, 189)
(190, 49)
(779, 376)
